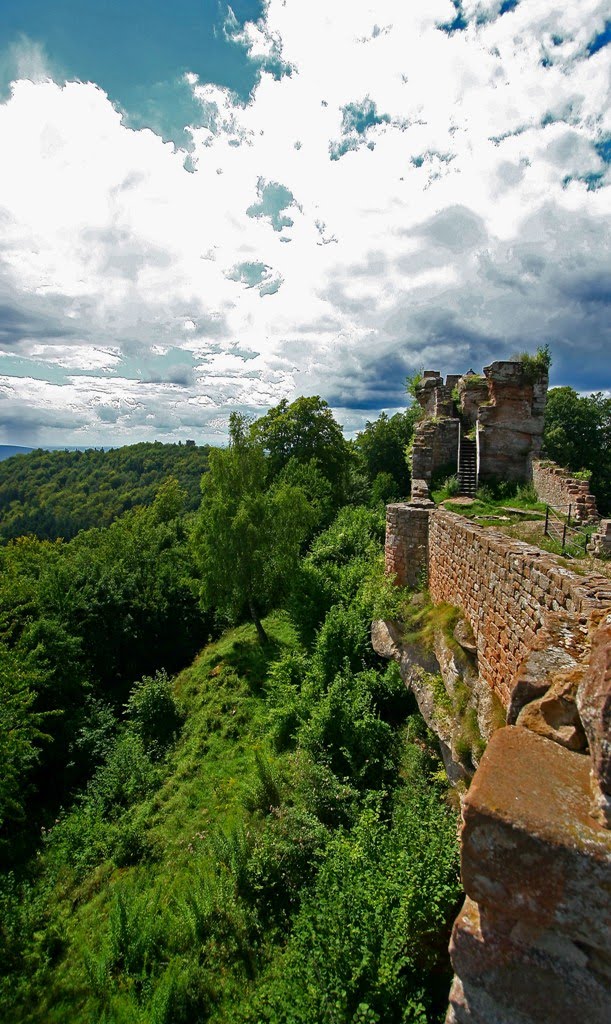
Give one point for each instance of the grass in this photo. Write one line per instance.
(172, 888)
(208, 784)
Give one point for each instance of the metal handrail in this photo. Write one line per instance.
(564, 525)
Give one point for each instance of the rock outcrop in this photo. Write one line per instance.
(500, 413)
(594, 704)
(531, 944)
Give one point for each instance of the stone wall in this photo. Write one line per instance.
(407, 536)
(557, 487)
(531, 945)
(505, 589)
(435, 447)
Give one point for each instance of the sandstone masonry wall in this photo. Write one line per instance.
(557, 487)
(407, 537)
(504, 588)
(435, 447)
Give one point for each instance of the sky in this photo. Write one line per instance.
(207, 207)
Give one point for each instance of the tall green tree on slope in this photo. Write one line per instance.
(305, 431)
(578, 436)
(247, 536)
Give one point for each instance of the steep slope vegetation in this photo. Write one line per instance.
(264, 839)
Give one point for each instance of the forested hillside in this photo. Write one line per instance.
(264, 836)
(217, 803)
(56, 494)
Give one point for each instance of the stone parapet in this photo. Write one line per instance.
(406, 548)
(505, 589)
(600, 542)
(557, 487)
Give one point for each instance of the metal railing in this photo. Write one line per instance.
(558, 526)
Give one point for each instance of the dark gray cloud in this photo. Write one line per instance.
(18, 323)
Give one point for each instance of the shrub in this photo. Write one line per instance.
(264, 793)
(534, 366)
(343, 641)
(369, 941)
(450, 487)
(347, 734)
(284, 861)
(153, 713)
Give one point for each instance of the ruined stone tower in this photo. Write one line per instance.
(480, 427)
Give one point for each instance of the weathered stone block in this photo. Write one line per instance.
(512, 973)
(594, 704)
(529, 844)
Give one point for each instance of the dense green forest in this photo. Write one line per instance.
(57, 494)
(217, 803)
(256, 832)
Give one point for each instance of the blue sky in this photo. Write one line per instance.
(137, 52)
(206, 207)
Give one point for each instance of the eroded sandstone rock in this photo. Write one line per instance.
(421, 672)
(594, 704)
(555, 715)
(510, 973)
(529, 844)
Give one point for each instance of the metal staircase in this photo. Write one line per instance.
(467, 473)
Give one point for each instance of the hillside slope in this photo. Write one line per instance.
(55, 494)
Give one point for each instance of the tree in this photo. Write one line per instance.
(247, 536)
(305, 430)
(20, 732)
(381, 446)
(578, 436)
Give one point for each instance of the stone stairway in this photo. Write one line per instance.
(467, 474)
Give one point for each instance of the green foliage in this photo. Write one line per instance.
(305, 431)
(259, 840)
(413, 381)
(283, 862)
(536, 366)
(57, 494)
(380, 449)
(265, 792)
(423, 619)
(21, 735)
(247, 537)
(343, 642)
(448, 489)
(346, 734)
(153, 713)
(314, 484)
(366, 943)
(340, 561)
(577, 436)
(473, 380)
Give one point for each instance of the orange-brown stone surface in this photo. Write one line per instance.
(512, 974)
(594, 704)
(529, 844)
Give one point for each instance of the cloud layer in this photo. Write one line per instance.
(402, 188)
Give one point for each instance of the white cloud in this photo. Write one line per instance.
(470, 214)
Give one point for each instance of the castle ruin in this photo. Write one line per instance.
(481, 427)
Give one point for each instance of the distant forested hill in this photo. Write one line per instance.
(57, 494)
